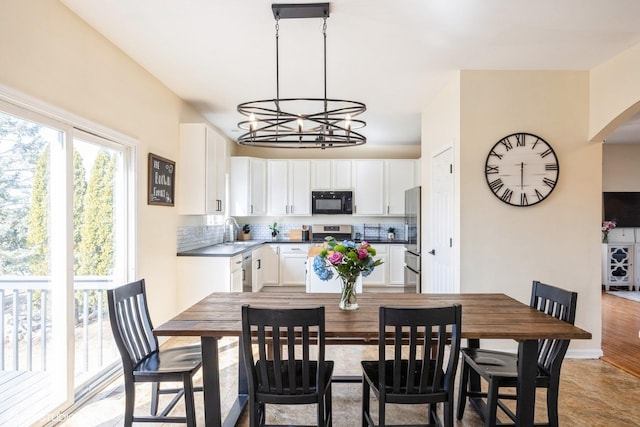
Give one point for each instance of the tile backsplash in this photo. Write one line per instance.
(193, 237)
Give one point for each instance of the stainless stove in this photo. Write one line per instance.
(338, 232)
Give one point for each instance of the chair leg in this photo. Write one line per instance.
(365, 402)
(381, 411)
(320, 412)
(462, 389)
(328, 406)
(155, 396)
(492, 405)
(189, 404)
(552, 404)
(447, 412)
(130, 401)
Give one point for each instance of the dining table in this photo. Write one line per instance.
(484, 316)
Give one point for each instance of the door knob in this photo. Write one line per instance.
(432, 252)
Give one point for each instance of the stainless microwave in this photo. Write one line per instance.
(332, 202)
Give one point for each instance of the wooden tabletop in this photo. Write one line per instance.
(483, 315)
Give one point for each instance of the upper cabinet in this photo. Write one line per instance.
(202, 170)
(288, 187)
(379, 186)
(400, 176)
(368, 187)
(248, 186)
(331, 175)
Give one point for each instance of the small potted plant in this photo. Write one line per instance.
(391, 233)
(274, 231)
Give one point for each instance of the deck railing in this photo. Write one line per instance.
(26, 322)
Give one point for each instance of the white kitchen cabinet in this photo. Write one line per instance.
(399, 176)
(380, 274)
(201, 275)
(331, 175)
(293, 264)
(618, 264)
(237, 273)
(396, 265)
(271, 264)
(248, 188)
(288, 187)
(257, 268)
(202, 170)
(368, 188)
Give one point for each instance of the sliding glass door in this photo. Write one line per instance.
(64, 221)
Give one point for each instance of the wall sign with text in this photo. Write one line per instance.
(161, 183)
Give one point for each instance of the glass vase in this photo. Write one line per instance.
(605, 237)
(348, 300)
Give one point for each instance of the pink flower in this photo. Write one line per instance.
(335, 258)
(364, 244)
(362, 253)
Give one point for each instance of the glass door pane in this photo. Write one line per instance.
(99, 208)
(31, 380)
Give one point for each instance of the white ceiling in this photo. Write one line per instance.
(391, 55)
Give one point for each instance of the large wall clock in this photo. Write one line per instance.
(522, 169)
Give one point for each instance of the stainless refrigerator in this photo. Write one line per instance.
(412, 263)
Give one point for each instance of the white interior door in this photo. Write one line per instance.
(440, 255)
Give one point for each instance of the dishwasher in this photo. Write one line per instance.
(247, 283)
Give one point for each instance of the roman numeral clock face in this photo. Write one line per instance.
(522, 169)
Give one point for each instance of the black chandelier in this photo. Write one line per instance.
(317, 122)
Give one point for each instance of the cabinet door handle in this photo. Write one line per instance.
(251, 209)
(286, 209)
(259, 264)
(291, 209)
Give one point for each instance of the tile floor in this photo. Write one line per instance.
(592, 393)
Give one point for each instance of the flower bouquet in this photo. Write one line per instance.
(607, 226)
(349, 260)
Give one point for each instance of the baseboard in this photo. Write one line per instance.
(588, 353)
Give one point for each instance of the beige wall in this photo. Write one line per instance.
(50, 54)
(504, 248)
(614, 93)
(621, 167)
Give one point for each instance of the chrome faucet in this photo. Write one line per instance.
(230, 227)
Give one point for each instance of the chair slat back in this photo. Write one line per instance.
(284, 338)
(419, 337)
(130, 323)
(560, 304)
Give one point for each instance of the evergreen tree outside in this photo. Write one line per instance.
(79, 191)
(38, 235)
(21, 145)
(96, 254)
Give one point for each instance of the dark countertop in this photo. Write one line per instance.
(224, 249)
(234, 248)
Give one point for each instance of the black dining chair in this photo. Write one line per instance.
(144, 362)
(421, 367)
(500, 369)
(285, 371)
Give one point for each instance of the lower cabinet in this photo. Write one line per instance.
(201, 275)
(396, 265)
(293, 264)
(380, 274)
(270, 265)
(618, 264)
